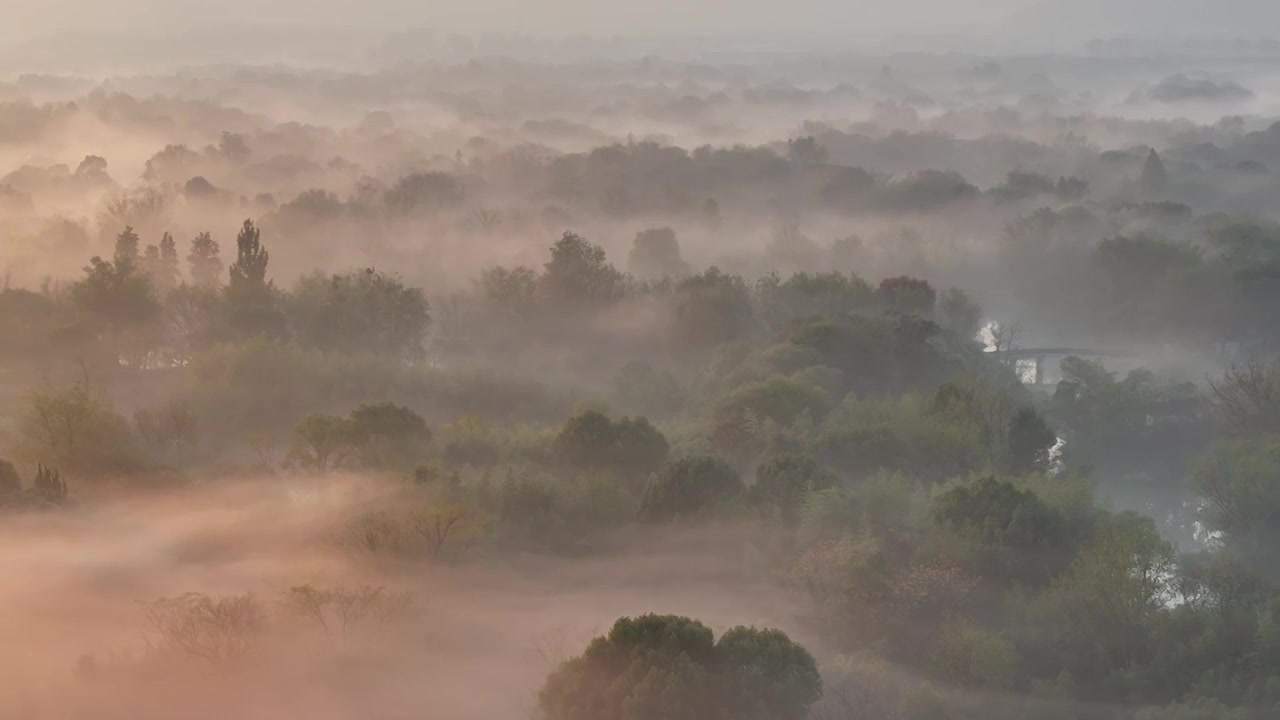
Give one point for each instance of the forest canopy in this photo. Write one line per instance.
(486, 378)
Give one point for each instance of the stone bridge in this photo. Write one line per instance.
(1041, 356)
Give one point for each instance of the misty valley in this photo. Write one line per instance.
(506, 379)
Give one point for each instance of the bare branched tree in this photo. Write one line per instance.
(1004, 338)
(216, 630)
(438, 523)
(353, 606)
(310, 603)
(374, 533)
(1248, 397)
(263, 445)
(345, 609)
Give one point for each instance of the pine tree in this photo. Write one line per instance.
(169, 261)
(1154, 177)
(126, 255)
(203, 261)
(150, 265)
(251, 298)
(160, 265)
(249, 271)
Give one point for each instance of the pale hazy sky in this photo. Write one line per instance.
(32, 18)
(830, 19)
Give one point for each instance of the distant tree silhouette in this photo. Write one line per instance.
(656, 254)
(249, 271)
(203, 261)
(1154, 177)
(126, 253)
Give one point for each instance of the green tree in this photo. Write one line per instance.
(76, 429)
(116, 295)
(361, 311)
(386, 434)
(1106, 605)
(121, 306)
(1141, 282)
(1239, 483)
(881, 356)
(641, 448)
(1005, 532)
(689, 487)
(578, 275)
(657, 667)
(512, 290)
(471, 442)
(1128, 425)
(649, 668)
(784, 481)
(969, 655)
(527, 507)
(780, 399)
(591, 440)
(587, 440)
(958, 313)
(995, 511)
(805, 295)
(655, 255)
(711, 308)
(908, 295)
(322, 442)
(771, 677)
(1217, 582)
(1029, 441)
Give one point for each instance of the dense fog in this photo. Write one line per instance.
(572, 361)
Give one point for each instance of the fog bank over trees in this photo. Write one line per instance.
(810, 362)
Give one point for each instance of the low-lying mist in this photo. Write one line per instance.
(442, 640)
